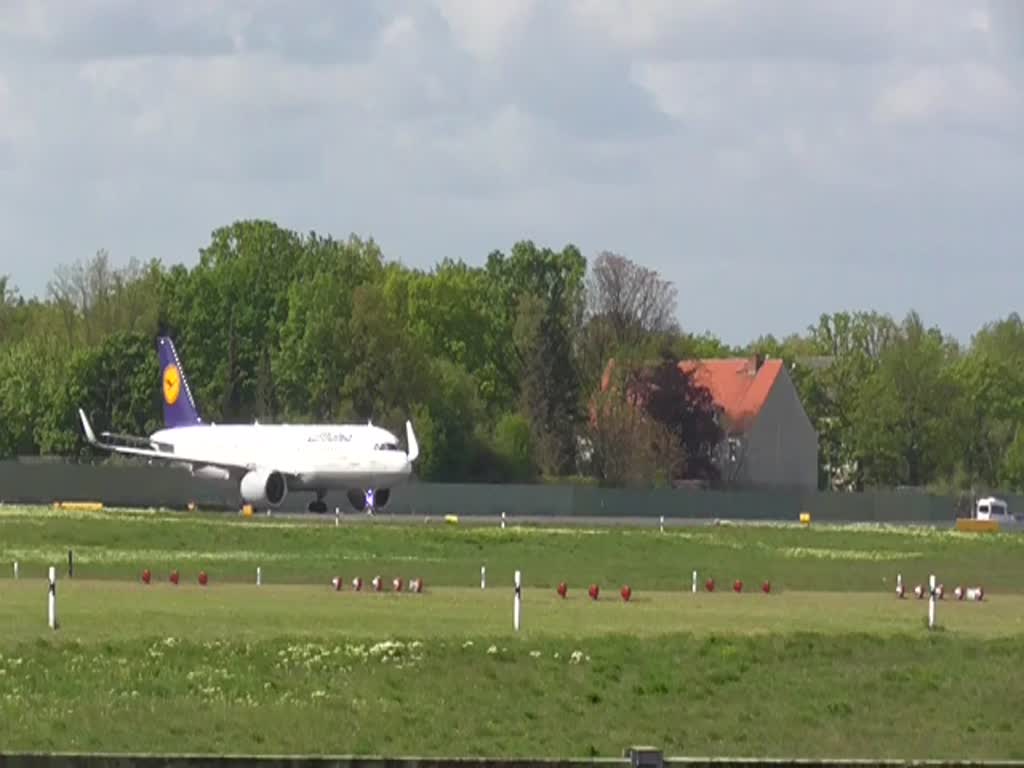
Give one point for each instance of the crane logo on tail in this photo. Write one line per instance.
(172, 384)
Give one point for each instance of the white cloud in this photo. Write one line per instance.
(965, 92)
(486, 29)
(641, 25)
(15, 124)
(763, 148)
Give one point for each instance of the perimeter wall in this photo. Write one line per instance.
(46, 482)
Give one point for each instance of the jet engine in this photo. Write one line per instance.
(264, 488)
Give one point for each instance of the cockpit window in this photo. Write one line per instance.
(387, 447)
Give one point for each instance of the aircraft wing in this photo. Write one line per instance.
(157, 453)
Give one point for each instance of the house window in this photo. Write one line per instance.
(734, 449)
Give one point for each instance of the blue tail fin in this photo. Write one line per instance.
(179, 407)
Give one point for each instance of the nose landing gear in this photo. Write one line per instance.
(368, 501)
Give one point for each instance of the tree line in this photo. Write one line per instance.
(499, 365)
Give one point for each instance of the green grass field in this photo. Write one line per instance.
(830, 664)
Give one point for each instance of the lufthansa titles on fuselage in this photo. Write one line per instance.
(329, 437)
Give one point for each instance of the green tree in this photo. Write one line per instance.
(851, 346)
(388, 370)
(96, 299)
(556, 280)
(991, 380)
(627, 446)
(116, 383)
(905, 427)
(513, 445)
(548, 384)
(227, 315)
(452, 316)
(315, 349)
(628, 307)
(28, 372)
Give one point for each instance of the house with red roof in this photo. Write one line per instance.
(769, 440)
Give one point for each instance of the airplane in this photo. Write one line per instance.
(269, 460)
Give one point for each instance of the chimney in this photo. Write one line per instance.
(756, 361)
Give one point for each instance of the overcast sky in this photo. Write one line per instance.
(774, 160)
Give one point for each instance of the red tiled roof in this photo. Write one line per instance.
(737, 385)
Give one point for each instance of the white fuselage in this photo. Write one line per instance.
(320, 456)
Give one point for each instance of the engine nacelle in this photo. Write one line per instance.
(264, 488)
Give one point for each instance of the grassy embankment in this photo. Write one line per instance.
(829, 664)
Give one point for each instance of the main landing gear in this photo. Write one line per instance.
(368, 501)
(318, 507)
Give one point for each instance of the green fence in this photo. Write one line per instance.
(46, 482)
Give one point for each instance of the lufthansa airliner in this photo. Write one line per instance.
(269, 460)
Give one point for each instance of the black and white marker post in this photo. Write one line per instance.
(519, 597)
(931, 601)
(53, 598)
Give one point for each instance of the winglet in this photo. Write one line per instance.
(89, 434)
(410, 439)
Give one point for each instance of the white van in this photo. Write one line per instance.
(991, 508)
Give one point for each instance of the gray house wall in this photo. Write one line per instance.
(781, 448)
